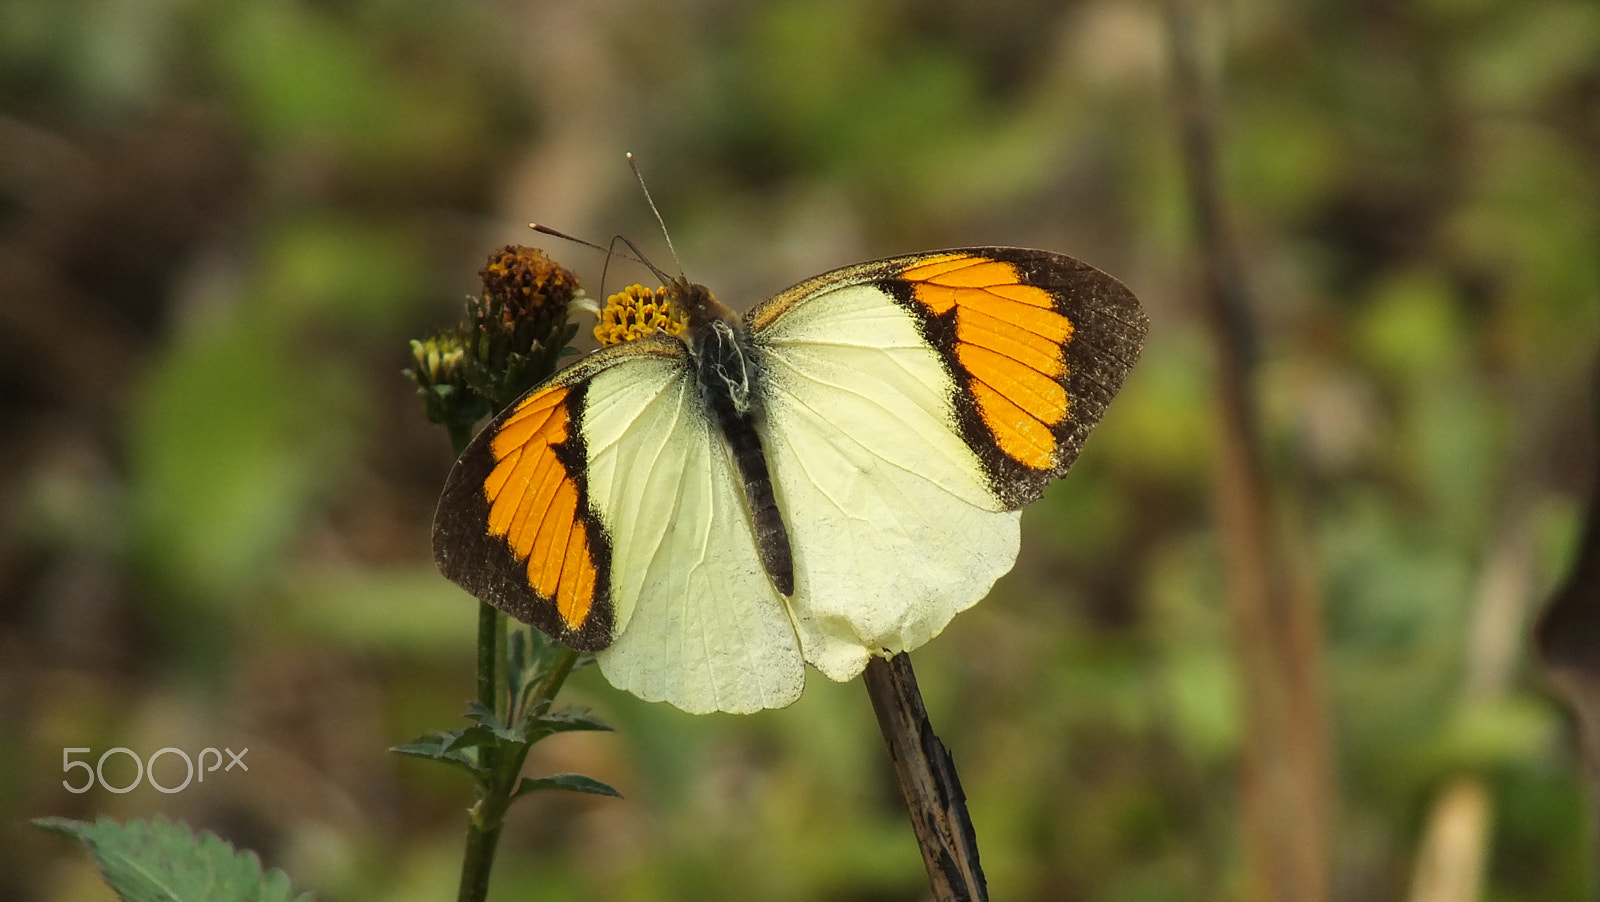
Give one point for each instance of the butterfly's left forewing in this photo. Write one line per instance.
(603, 509)
(516, 527)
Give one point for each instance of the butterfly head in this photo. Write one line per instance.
(701, 307)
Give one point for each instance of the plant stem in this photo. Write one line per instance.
(483, 836)
(477, 862)
(483, 833)
(495, 794)
(929, 782)
(1286, 784)
(559, 672)
(489, 644)
(1568, 635)
(502, 660)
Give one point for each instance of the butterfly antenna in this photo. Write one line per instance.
(608, 251)
(637, 256)
(634, 165)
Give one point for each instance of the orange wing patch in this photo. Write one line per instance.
(533, 505)
(1011, 340)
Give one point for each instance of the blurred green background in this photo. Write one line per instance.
(221, 221)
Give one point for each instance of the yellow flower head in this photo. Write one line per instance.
(637, 311)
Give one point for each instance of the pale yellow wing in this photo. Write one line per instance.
(698, 623)
(910, 407)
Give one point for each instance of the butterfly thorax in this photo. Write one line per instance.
(719, 345)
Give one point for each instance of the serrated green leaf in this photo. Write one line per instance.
(481, 713)
(161, 861)
(490, 721)
(418, 750)
(534, 654)
(453, 747)
(566, 782)
(569, 720)
(439, 742)
(541, 725)
(435, 740)
(517, 657)
(470, 738)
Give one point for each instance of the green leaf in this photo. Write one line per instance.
(490, 721)
(567, 782)
(569, 720)
(160, 861)
(470, 738)
(454, 747)
(517, 657)
(529, 659)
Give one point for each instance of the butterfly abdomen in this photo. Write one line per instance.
(726, 372)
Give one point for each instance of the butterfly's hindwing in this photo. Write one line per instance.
(699, 622)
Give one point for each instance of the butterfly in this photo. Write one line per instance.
(832, 476)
